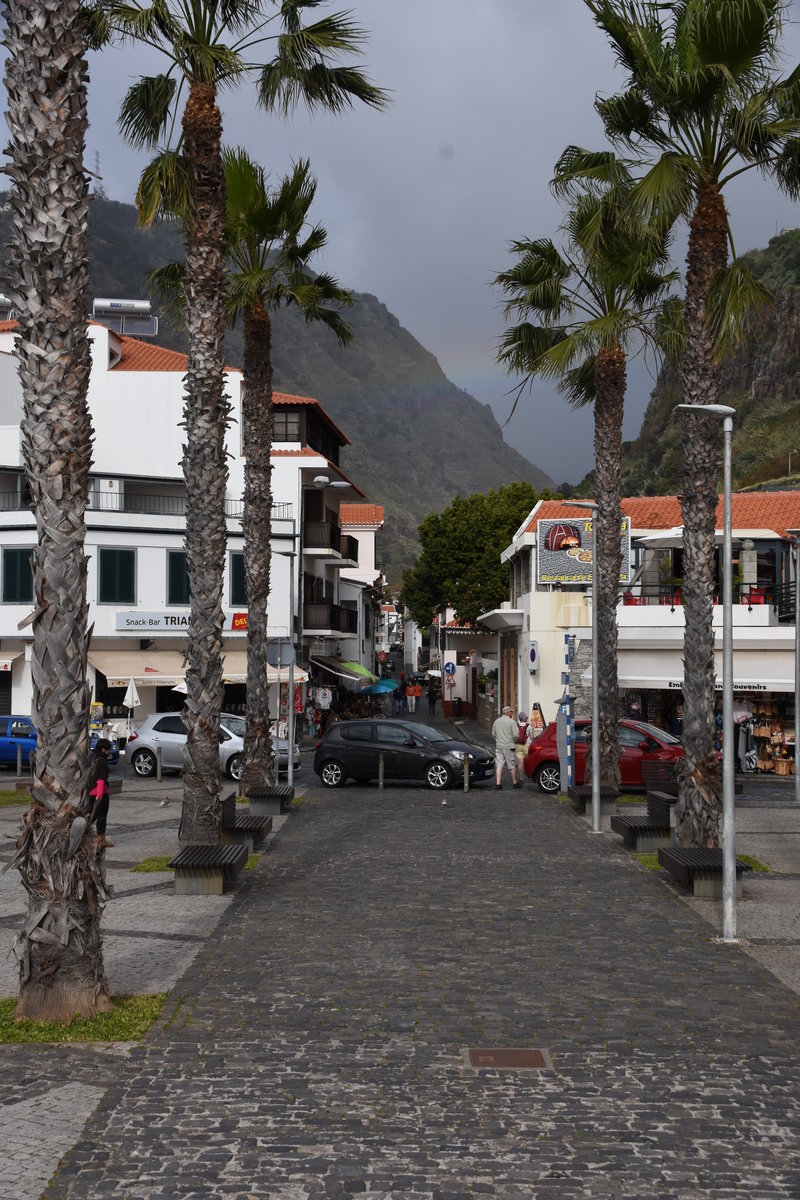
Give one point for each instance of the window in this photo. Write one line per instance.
(177, 577)
(631, 737)
(117, 576)
(172, 724)
(238, 589)
(357, 733)
(18, 576)
(286, 426)
(393, 735)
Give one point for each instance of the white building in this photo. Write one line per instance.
(553, 620)
(137, 584)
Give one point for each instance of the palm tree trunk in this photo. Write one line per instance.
(59, 949)
(699, 804)
(257, 421)
(204, 465)
(610, 382)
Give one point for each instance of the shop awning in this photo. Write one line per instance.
(502, 620)
(753, 670)
(7, 660)
(335, 666)
(147, 668)
(234, 670)
(166, 668)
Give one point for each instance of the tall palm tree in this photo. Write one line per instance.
(59, 948)
(268, 251)
(703, 104)
(211, 44)
(583, 306)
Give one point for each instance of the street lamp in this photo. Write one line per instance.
(595, 681)
(796, 533)
(791, 452)
(728, 799)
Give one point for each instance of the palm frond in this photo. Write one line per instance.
(165, 285)
(522, 346)
(145, 110)
(786, 168)
(669, 328)
(580, 167)
(665, 192)
(165, 191)
(578, 383)
(736, 302)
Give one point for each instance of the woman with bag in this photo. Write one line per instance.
(98, 790)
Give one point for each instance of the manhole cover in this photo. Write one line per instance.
(507, 1058)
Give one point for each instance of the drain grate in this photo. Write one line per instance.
(507, 1058)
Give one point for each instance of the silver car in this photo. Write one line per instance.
(165, 732)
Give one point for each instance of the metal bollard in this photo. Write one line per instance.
(158, 764)
(380, 772)
(19, 761)
(466, 772)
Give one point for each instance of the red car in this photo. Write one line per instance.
(638, 742)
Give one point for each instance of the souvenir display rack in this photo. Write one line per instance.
(774, 742)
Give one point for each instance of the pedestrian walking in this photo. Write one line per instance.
(506, 738)
(98, 789)
(524, 736)
(432, 698)
(413, 692)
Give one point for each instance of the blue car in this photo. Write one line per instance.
(113, 754)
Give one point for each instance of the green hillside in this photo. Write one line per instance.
(761, 381)
(417, 440)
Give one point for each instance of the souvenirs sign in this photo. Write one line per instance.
(565, 550)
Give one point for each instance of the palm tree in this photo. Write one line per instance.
(703, 104)
(582, 307)
(268, 250)
(59, 948)
(210, 45)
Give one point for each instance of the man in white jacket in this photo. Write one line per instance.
(506, 736)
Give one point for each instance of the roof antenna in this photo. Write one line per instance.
(99, 188)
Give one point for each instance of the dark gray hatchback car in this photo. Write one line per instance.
(411, 751)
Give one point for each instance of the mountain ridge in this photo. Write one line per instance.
(417, 440)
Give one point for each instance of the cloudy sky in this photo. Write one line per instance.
(421, 201)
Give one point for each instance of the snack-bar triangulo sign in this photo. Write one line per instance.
(565, 550)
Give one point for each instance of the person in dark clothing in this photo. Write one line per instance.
(98, 789)
(433, 696)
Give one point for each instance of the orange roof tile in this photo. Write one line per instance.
(361, 514)
(777, 511)
(8, 326)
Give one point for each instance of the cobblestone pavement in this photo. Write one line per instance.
(313, 1048)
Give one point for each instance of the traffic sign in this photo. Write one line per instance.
(449, 668)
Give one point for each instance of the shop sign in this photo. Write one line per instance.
(677, 684)
(172, 622)
(565, 550)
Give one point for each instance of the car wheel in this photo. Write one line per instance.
(332, 773)
(144, 763)
(437, 775)
(235, 767)
(548, 777)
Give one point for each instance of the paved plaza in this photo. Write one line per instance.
(313, 1043)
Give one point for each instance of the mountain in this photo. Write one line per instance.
(417, 440)
(761, 380)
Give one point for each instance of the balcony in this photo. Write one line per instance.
(672, 597)
(322, 538)
(329, 618)
(349, 551)
(149, 504)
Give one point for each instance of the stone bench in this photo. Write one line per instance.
(243, 828)
(640, 832)
(207, 870)
(699, 869)
(270, 801)
(581, 797)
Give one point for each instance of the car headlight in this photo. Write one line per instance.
(459, 754)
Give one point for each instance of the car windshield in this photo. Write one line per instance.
(430, 734)
(234, 725)
(660, 735)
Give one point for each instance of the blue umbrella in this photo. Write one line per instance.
(380, 688)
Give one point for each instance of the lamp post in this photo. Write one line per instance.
(595, 682)
(290, 722)
(796, 533)
(791, 452)
(728, 799)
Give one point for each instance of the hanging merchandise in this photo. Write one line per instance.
(298, 698)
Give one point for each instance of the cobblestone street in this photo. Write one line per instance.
(314, 1048)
